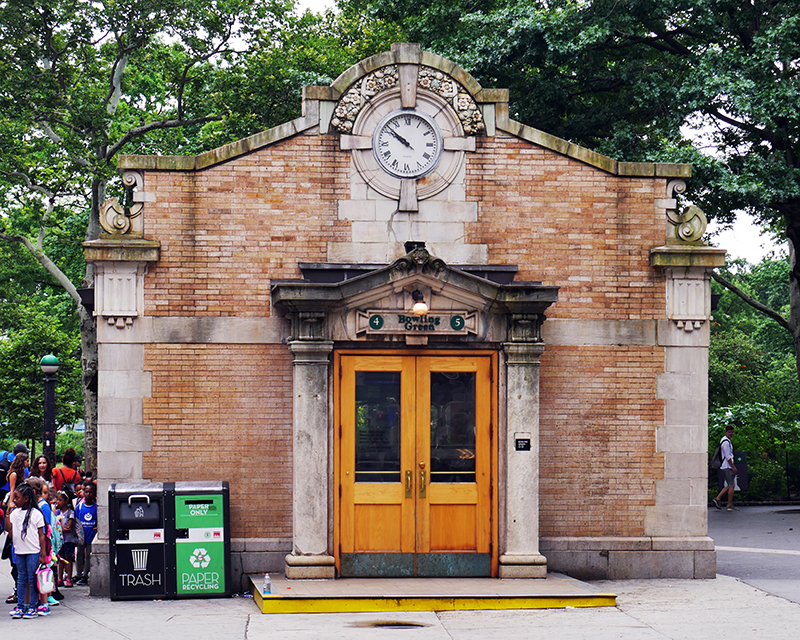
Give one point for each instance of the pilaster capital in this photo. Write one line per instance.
(523, 353)
(311, 351)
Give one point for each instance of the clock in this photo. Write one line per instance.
(407, 143)
(390, 148)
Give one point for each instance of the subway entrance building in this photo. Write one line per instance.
(417, 337)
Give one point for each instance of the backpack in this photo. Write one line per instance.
(716, 459)
(67, 486)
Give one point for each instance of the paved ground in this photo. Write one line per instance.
(646, 609)
(761, 546)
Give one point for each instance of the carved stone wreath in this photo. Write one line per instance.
(354, 99)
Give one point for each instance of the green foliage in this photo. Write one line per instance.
(751, 357)
(765, 435)
(69, 439)
(21, 378)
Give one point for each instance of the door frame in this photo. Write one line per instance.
(492, 355)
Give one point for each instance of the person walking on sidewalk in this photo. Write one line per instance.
(728, 470)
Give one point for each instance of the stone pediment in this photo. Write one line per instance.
(377, 306)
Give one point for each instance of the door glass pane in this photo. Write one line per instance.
(453, 427)
(377, 426)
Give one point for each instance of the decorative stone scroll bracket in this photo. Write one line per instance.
(119, 220)
(687, 225)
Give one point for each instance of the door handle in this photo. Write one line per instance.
(422, 484)
(409, 484)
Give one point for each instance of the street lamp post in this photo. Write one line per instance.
(49, 365)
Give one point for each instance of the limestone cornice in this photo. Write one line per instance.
(686, 255)
(128, 250)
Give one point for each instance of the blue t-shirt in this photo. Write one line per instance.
(87, 517)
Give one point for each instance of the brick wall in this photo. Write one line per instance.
(224, 412)
(226, 231)
(571, 225)
(598, 419)
(588, 232)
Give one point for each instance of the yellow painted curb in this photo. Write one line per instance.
(362, 604)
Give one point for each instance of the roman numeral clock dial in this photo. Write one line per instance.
(407, 143)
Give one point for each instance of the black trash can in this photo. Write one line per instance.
(139, 549)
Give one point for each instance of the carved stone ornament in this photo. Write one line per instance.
(690, 224)
(687, 301)
(118, 220)
(418, 261)
(119, 292)
(385, 78)
(525, 327)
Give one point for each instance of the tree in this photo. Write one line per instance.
(712, 82)
(21, 387)
(79, 83)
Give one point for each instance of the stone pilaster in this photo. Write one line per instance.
(310, 557)
(520, 557)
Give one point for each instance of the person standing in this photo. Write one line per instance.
(86, 515)
(728, 470)
(26, 525)
(65, 477)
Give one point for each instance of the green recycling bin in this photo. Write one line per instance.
(202, 539)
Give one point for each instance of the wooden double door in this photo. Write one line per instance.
(414, 465)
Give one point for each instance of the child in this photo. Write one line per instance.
(25, 524)
(86, 514)
(40, 490)
(66, 554)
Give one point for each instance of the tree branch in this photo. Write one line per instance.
(48, 264)
(152, 126)
(755, 303)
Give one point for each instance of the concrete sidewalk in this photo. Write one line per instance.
(645, 609)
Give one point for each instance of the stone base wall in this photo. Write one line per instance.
(615, 558)
(248, 556)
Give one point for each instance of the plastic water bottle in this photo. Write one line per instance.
(266, 588)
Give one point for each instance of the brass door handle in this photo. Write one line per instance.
(422, 484)
(409, 484)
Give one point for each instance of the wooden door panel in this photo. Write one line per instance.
(453, 527)
(376, 527)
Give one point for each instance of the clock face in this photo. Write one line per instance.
(407, 143)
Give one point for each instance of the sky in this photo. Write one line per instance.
(743, 240)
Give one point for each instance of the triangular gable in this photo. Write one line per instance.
(322, 106)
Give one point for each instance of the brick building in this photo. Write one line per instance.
(257, 324)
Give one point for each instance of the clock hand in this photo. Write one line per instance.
(399, 137)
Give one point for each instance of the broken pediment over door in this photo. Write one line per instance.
(417, 300)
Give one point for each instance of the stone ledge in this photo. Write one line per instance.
(122, 250)
(220, 154)
(622, 543)
(687, 255)
(257, 545)
(630, 565)
(585, 155)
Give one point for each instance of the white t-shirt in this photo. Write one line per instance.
(30, 543)
(727, 452)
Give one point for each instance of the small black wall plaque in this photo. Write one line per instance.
(523, 444)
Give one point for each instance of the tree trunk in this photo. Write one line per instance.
(89, 340)
(794, 304)
(89, 385)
